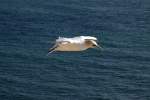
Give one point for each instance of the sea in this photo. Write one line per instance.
(118, 71)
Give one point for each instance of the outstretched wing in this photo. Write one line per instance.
(52, 49)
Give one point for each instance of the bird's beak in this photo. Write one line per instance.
(98, 46)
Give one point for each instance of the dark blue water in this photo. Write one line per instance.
(121, 71)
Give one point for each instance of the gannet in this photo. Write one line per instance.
(78, 43)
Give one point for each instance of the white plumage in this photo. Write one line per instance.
(78, 39)
(79, 43)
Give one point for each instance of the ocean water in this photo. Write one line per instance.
(120, 71)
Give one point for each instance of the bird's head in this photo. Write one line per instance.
(91, 44)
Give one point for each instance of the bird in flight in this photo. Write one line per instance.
(78, 43)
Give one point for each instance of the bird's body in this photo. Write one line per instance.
(70, 47)
(79, 43)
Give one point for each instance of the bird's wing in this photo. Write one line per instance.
(57, 44)
(76, 40)
(53, 48)
(62, 40)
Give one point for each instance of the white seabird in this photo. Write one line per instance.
(79, 43)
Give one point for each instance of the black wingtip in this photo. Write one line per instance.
(51, 50)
